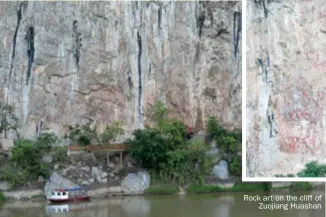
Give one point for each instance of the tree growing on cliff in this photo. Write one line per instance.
(228, 142)
(159, 115)
(8, 120)
(165, 151)
(111, 132)
(82, 134)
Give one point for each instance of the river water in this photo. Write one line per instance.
(205, 205)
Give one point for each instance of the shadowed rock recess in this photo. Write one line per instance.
(70, 62)
(285, 86)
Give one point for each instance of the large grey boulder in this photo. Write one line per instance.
(212, 152)
(47, 159)
(6, 144)
(57, 181)
(136, 183)
(4, 186)
(221, 170)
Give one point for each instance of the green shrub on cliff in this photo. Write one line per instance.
(313, 169)
(82, 134)
(46, 141)
(25, 163)
(86, 134)
(228, 142)
(165, 151)
(8, 119)
(111, 132)
(2, 197)
(15, 177)
(214, 129)
(148, 148)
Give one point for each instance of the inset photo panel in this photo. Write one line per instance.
(285, 91)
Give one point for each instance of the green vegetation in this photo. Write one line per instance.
(247, 187)
(46, 141)
(161, 190)
(296, 186)
(229, 143)
(111, 132)
(313, 169)
(2, 197)
(25, 163)
(82, 134)
(86, 134)
(165, 151)
(239, 187)
(60, 154)
(8, 120)
(287, 175)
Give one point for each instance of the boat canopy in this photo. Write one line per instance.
(72, 189)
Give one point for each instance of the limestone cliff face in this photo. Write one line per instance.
(70, 62)
(285, 85)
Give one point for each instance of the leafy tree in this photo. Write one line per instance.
(214, 129)
(313, 169)
(148, 148)
(228, 142)
(82, 134)
(26, 156)
(235, 166)
(165, 151)
(46, 140)
(159, 115)
(111, 132)
(8, 120)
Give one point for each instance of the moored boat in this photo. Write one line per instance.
(69, 195)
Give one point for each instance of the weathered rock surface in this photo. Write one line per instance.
(47, 159)
(285, 86)
(4, 186)
(6, 144)
(221, 170)
(135, 183)
(57, 181)
(68, 62)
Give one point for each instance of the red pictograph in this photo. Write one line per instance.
(300, 126)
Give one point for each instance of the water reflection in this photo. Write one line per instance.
(136, 207)
(218, 205)
(52, 209)
(224, 205)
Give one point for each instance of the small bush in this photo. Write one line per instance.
(82, 134)
(235, 166)
(60, 154)
(297, 186)
(15, 177)
(239, 187)
(161, 190)
(313, 169)
(214, 129)
(111, 132)
(228, 142)
(25, 161)
(2, 197)
(46, 141)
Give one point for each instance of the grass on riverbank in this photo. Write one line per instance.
(167, 189)
(2, 197)
(247, 187)
(240, 187)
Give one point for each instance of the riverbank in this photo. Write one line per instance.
(114, 191)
